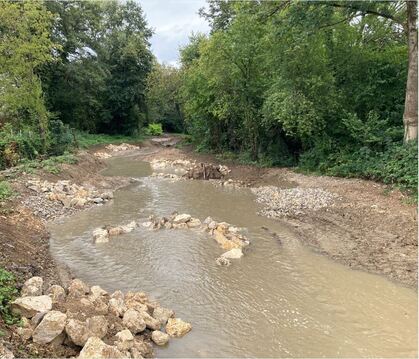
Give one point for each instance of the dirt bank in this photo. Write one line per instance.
(370, 227)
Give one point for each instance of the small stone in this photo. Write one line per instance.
(97, 291)
(212, 225)
(32, 287)
(97, 200)
(107, 195)
(180, 226)
(29, 306)
(51, 326)
(97, 349)
(143, 347)
(129, 227)
(5, 353)
(115, 231)
(125, 340)
(150, 322)
(208, 220)
(100, 235)
(194, 223)
(133, 320)
(159, 337)
(221, 261)
(24, 333)
(182, 218)
(176, 327)
(57, 293)
(37, 318)
(234, 253)
(117, 307)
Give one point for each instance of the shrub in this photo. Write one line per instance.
(154, 129)
(8, 293)
(60, 138)
(5, 190)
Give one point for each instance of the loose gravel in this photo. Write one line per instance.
(292, 201)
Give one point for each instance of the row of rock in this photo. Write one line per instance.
(69, 194)
(227, 236)
(100, 324)
(280, 202)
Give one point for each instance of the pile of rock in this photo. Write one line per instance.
(99, 324)
(292, 201)
(51, 200)
(69, 194)
(178, 166)
(102, 234)
(121, 147)
(102, 155)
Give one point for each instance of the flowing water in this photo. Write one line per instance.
(279, 300)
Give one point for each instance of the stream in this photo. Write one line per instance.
(279, 300)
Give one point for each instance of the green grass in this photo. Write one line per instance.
(51, 164)
(6, 190)
(8, 292)
(86, 140)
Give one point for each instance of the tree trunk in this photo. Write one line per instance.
(410, 116)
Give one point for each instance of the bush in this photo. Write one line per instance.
(397, 164)
(60, 138)
(17, 145)
(8, 293)
(154, 129)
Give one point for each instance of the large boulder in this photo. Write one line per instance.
(32, 287)
(97, 349)
(29, 306)
(78, 288)
(79, 332)
(159, 337)
(57, 293)
(182, 218)
(134, 321)
(176, 327)
(51, 326)
(163, 314)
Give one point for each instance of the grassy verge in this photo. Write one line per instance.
(86, 140)
(5, 190)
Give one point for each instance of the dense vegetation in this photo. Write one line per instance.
(320, 85)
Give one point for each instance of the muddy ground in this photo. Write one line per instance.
(371, 227)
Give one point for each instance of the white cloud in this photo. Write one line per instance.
(172, 21)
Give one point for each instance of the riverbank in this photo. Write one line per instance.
(371, 227)
(367, 228)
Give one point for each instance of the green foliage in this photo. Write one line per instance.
(8, 292)
(154, 129)
(163, 98)
(5, 190)
(86, 140)
(60, 138)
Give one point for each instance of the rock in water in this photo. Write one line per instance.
(29, 306)
(176, 327)
(159, 337)
(97, 349)
(32, 287)
(221, 261)
(182, 218)
(163, 314)
(100, 235)
(234, 253)
(51, 326)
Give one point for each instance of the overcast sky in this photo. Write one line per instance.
(172, 21)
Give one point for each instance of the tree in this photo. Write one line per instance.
(25, 45)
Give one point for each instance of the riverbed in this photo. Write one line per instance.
(280, 300)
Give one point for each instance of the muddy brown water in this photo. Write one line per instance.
(279, 300)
